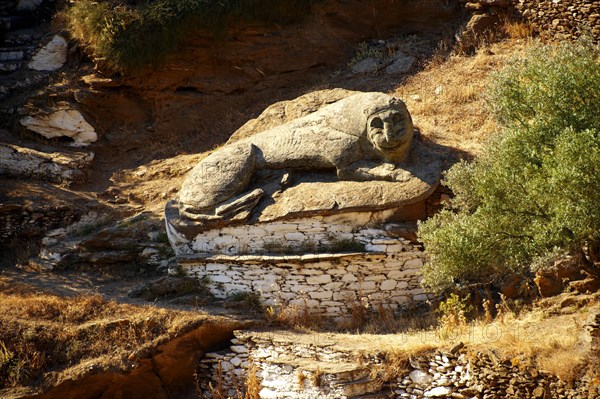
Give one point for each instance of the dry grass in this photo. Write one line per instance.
(446, 99)
(517, 29)
(41, 333)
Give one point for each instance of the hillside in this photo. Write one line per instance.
(86, 308)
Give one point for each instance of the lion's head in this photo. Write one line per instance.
(390, 130)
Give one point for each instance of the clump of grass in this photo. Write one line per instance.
(128, 37)
(317, 377)
(345, 245)
(294, 316)
(250, 301)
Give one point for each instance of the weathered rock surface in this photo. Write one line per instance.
(351, 154)
(50, 57)
(63, 167)
(402, 63)
(209, 80)
(65, 122)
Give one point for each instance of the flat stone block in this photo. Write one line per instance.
(375, 248)
(221, 278)
(297, 236)
(333, 286)
(321, 295)
(416, 263)
(323, 279)
(378, 278)
(388, 285)
(395, 248)
(365, 285)
(303, 288)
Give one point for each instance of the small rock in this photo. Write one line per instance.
(420, 377)
(438, 392)
(538, 392)
(401, 64)
(63, 122)
(368, 65)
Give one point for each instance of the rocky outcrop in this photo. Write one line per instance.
(28, 210)
(211, 81)
(63, 122)
(58, 167)
(552, 19)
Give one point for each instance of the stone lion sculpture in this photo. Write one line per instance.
(361, 137)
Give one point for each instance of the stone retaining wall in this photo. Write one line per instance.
(318, 370)
(327, 283)
(26, 222)
(561, 19)
(295, 235)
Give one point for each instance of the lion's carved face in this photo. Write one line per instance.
(390, 131)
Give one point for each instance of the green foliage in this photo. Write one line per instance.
(129, 37)
(534, 189)
(453, 311)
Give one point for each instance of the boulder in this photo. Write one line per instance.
(401, 64)
(368, 65)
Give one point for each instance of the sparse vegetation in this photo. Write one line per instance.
(249, 301)
(532, 189)
(128, 37)
(42, 333)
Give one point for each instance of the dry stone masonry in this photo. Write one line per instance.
(552, 19)
(314, 368)
(561, 19)
(385, 274)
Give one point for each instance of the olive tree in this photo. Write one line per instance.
(535, 188)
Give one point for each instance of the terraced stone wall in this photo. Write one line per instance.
(385, 274)
(292, 368)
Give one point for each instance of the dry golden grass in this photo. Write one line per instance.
(535, 338)
(446, 99)
(41, 333)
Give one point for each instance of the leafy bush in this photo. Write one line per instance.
(129, 37)
(535, 188)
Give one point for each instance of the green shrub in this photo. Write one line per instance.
(535, 188)
(129, 37)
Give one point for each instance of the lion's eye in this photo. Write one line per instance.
(376, 123)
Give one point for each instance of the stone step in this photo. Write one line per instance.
(22, 37)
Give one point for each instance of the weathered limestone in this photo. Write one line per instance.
(50, 57)
(64, 122)
(57, 167)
